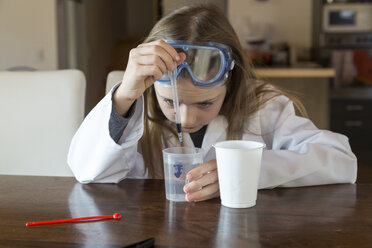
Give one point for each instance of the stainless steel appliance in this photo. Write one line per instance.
(348, 17)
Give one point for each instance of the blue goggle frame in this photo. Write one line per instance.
(227, 63)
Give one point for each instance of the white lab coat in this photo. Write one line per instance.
(296, 153)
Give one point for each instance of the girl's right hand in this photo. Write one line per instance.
(146, 64)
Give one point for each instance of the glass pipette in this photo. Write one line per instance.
(176, 104)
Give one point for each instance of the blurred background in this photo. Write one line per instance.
(95, 36)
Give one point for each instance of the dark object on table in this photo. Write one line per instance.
(147, 243)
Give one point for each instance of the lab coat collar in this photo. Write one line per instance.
(216, 131)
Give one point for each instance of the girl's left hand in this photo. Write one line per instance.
(205, 177)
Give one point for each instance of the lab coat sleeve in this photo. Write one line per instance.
(95, 157)
(298, 153)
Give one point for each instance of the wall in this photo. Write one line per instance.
(170, 5)
(138, 17)
(28, 35)
(290, 19)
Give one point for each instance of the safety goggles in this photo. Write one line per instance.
(207, 63)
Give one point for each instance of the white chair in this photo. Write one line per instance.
(113, 78)
(40, 111)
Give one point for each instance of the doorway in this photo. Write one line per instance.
(93, 34)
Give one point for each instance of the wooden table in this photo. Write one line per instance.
(323, 216)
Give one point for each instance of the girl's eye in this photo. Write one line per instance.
(168, 101)
(205, 104)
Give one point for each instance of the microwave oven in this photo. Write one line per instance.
(346, 18)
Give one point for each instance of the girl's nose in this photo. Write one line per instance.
(188, 116)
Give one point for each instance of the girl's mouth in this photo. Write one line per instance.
(188, 128)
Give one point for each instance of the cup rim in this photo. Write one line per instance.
(196, 150)
(218, 144)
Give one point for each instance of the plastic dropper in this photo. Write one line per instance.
(176, 104)
(115, 216)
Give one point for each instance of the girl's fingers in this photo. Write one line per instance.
(152, 60)
(166, 46)
(146, 64)
(162, 49)
(205, 182)
(208, 192)
(202, 169)
(207, 179)
(150, 71)
(169, 49)
(182, 56)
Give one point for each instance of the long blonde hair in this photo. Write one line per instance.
(204, 23)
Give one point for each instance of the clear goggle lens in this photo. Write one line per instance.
(203, 64)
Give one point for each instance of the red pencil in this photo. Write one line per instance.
(115, 216)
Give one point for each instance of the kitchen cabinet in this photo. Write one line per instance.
(351, 110)
(310, 85)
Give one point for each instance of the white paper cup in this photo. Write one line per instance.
(238, 166)
(178, 161)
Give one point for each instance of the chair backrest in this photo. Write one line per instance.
(40, 111)
(113, 78)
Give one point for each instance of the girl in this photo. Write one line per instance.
(123, 136)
